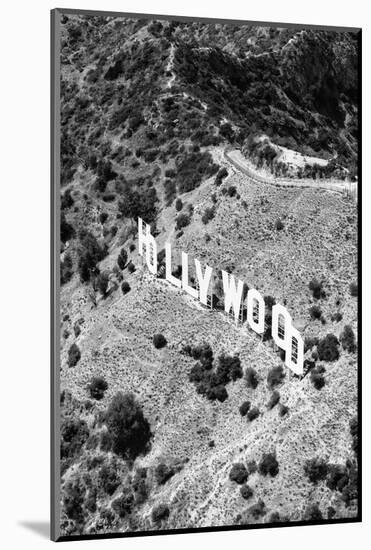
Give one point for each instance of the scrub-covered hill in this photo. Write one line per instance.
(173, 416)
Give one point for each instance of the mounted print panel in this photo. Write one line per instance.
(206, 192)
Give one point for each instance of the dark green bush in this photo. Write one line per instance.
(122, 258)
(275, 376)
(238, 473)
(97, 387)
(74, 355)
(123, 504)
(347, 339)
(316, 469)
(244, 408)
(269, 465)
(159, 341)
(246, 492)
(328, 348)
(129, 429)
(160, 513)
(273, 400)
(251, 378)
(125, 287)
(253, 414)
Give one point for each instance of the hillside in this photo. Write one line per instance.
(148, 110)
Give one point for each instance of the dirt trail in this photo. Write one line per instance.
(170, 66)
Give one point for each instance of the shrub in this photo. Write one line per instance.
(103, 217)
(353, 289)
(229, 368)
(246, 492)
(223, 173)
(313, 512)
(283, 410)
(238, 473)
(123, 504)
(178, 205)
(97, 387)
(279, 225)
(315, 312)
(73, 499)
(331, 512)
(125, 287)
(317, 379)
(317, 289)
(328, 348)
(74, 433)
(244, 408)
(208, 214)
(122, 258)
(275, 376)
(347, 339)
(274, 399)
(67, 231)
(129, 429)
(251, 378)
(182, 221)
(269, 465)
(253, 414)
(159, 341)
(131, 267)
(257, 510)
(74, 355)
(163, 473)
(102, 283)
(160, 513)
(316, 469)
(353, 425)
(109, 478)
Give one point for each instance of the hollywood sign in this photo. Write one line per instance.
(284, 334)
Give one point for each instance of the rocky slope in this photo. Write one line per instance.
(147, 111)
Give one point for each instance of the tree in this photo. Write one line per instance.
(74, 355)
(160, 513)
(251, 378)
(328, 348)
(316, 469)
(125, 287)
(246, 492)
(316, 288)
(122, 258)
(347, 339)
(313, 512)
(269, 465)
(279, 225)
(182, 221)
(353, 289)
(244, 408)
(97, 387)
(315, 312)
(163, 472)
(238, 473)
(273, 400)
(159, 341)
(129, 429)
(275, 376)
(123, 504)
(102, 283)
(178, 205)
(253, 414)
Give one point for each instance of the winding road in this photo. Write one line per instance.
(236, 158)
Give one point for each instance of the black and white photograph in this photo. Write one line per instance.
(206, 370)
